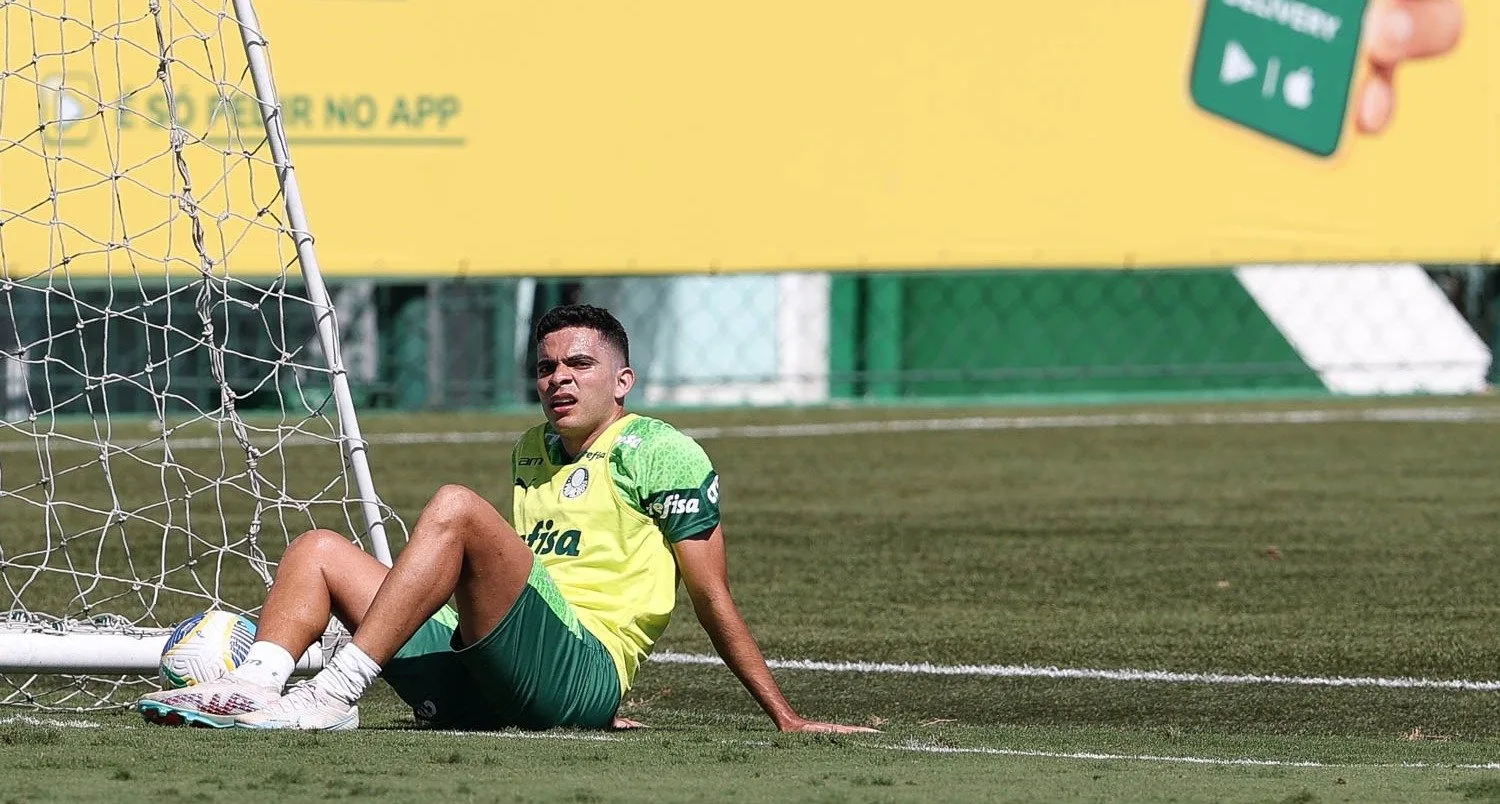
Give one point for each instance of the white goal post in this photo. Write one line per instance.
(167, 342)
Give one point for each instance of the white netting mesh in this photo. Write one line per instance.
(167, 421)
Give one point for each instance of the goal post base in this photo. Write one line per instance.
(101, 647)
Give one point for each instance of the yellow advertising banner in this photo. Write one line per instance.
(475, 138)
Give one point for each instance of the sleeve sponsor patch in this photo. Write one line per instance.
(683, 513)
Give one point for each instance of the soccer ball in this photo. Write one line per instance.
(203, 647)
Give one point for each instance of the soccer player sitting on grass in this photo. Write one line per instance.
(547, 626)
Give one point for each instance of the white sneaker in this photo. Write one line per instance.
(212, 704)
(306, 707)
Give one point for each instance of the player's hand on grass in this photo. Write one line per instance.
(623, 723)
(802, 726)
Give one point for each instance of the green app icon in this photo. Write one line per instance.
(1281, 67)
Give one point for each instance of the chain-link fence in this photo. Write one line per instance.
(808, 338)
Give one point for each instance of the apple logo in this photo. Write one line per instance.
(69, 109)
(1298, 88)
(69, 106)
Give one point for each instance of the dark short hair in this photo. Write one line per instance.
(587, 316)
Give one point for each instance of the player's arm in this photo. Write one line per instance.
(704, 569)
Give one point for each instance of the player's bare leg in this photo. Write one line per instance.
(320, 574)
(460, 548)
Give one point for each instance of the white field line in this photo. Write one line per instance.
(928, 748)
(916, 746)
(911, 745)
(1031, 671)
(1243, 761)
(27, 720)
(527, 735)
(1102, 420)
(1456, 415)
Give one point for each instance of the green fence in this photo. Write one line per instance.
(766, 339)
(1057, 333)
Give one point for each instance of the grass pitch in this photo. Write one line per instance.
(1293, 556)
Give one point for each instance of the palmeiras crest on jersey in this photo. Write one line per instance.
(576, 484)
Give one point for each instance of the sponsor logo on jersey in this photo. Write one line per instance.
(630, 440)
(713, 491)
(673, 505)
(546, 539)
(530, 461)
(576, 484)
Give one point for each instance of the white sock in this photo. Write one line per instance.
(267, 664)
(349, 674)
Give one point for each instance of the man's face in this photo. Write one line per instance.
(581, 380)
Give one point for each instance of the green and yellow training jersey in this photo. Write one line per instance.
(602, 523)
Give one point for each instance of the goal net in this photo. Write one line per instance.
(172, 404)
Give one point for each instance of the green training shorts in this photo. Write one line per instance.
(539, 668)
